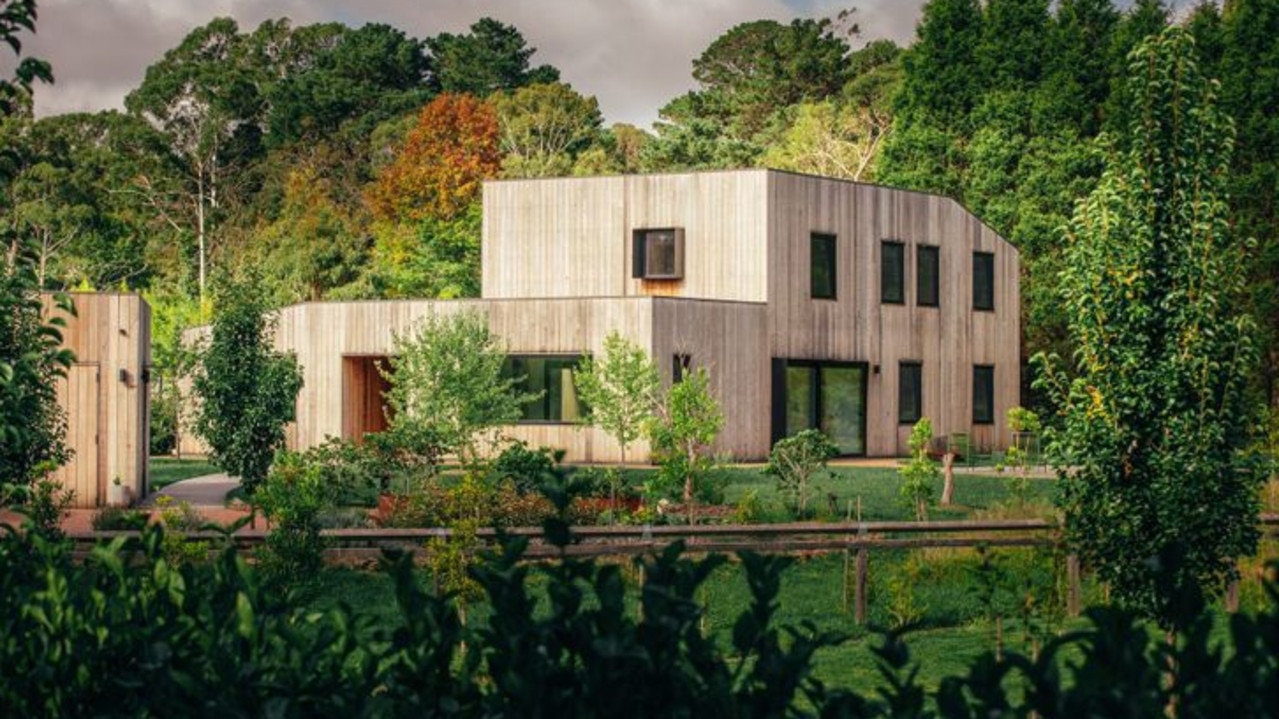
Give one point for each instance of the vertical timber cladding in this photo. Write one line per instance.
(727, 339)
(857, 327)
(105, 398)
(571, 237)
(327, 336)
(561, 237)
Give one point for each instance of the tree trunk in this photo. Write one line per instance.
(948, 473)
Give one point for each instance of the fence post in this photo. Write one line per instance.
(1073, 599)
(863, 560)
(848, 556)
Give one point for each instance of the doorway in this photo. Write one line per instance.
(364, 391)
(829, 396)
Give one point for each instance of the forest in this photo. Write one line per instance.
(346, 163)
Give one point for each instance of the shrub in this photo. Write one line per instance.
(921, 473)
(108, 519)
(293, 497)
(794, 460)
(134, 635)
(525, 467)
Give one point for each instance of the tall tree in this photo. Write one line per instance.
(32, 424)
(333, 77)
(543, 128)
(748, 77)
(1157, 496)
(438, 170)
(246, 389)
(1250, 84)
(492, 57)
(209, 107)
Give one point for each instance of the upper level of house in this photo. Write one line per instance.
(751, 235)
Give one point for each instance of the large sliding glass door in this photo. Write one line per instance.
(830, 396)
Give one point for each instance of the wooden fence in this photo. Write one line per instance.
(855, 539)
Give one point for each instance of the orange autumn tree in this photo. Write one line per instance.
(437, 171)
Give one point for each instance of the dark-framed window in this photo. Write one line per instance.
(658, 253)
(550, 377)
(822, 266)
(983, 280)
(927, 275)
(892, 272)
(910, 392)
(681, 365)
(983, 394)
(829, 396)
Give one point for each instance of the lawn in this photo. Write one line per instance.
(942, 594)
(167, 470)
(876, 490)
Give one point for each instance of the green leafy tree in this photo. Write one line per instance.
(32, 359)
(334, 79)
(245, 390)
(921, 472)
(432, 258)
(1250, 82)
(621, 389)
(543, 128)
(1155, 491)
(688, 421)
(208, 104)
(448, 390)
(492, 57)
(793, 462)
(18, 17)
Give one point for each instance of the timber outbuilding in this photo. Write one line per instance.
(105, 398)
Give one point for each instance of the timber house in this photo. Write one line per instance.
(814, 302)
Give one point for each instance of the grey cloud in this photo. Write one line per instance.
(634, 55)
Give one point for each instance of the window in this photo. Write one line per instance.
(909, 392)
(830, 396)
(658, 254)
(927, 266)
(983, 280)
(983, 394)
(680, 366)
(822, 261)
(892, 272)
(551, 378)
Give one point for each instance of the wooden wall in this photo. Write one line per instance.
(725, 338)
(327, 334)
(571, 237)
(105, 398)
(857, 326)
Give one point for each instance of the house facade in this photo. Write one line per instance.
(813, 302)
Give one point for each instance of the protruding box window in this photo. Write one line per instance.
(658, 254)
(892, 272)
(822, 262)
(983, 280)
(927, 275)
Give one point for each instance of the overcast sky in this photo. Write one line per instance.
(634, 55)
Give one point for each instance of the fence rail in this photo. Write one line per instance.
(855, 539)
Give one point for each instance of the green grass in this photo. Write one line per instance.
(875, 489)
(953, 621)
(167, 470)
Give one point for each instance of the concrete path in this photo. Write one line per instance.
(200, 492)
